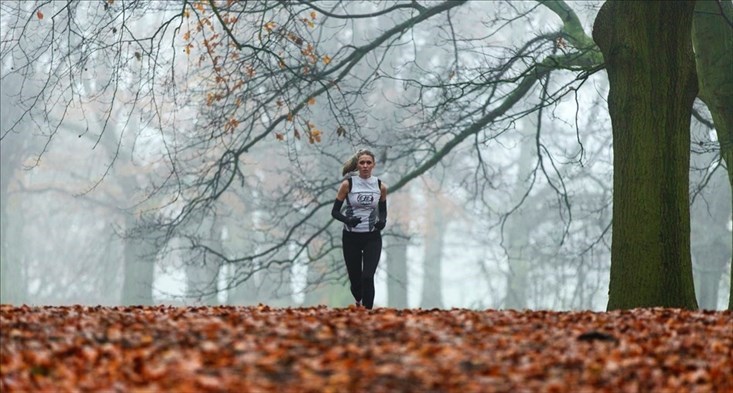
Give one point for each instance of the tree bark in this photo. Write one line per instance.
(651, 71)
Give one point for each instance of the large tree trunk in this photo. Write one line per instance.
(651, 70)
(712, 37)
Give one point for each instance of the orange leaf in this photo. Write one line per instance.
(408, 349)
(39, 14)
(312, 101)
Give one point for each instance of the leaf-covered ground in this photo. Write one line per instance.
(251, 349)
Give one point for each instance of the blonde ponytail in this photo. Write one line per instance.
(350, 164)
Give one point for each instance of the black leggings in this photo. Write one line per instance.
(358, 248)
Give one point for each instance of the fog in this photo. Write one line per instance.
(149, 193)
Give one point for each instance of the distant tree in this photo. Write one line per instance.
(13, 288)
(710, 217)
(396, 253)
(712, 38)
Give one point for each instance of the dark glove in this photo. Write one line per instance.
(336, 213)
(352, 221)
(382, 209)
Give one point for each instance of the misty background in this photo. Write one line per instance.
(150, 192)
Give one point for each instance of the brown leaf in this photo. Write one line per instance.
(315, 349)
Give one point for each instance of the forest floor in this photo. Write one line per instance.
(320, 349)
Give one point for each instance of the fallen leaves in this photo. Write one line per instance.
(319, 349)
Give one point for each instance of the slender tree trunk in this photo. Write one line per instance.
(326, 278)
(518, 226)
(275, 281)
(432, 293)
(201, 280)
(13, 268)
(137, 289)
(651, 70)
(245, 293)
(517, 280)
(242, 240)
(139, 269)
(712, 36)
(710, 244)
(707, 279)
(110, 284)
(396, 253)
(320, 291)
(11, 288)
(12, 151)
(202, 275)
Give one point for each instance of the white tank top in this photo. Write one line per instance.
(362, 202)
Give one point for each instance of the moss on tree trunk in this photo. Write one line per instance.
(651, 70)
